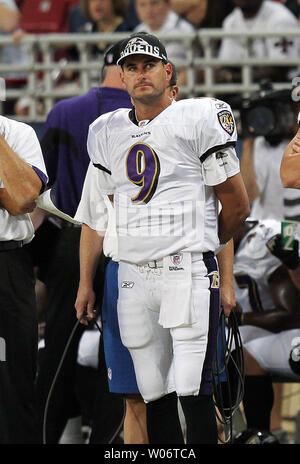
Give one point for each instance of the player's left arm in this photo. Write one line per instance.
(235, 206)
(221, 167)
(225, 260)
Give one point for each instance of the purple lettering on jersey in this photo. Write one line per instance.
(143, 169)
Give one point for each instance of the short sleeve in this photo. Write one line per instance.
(218, 129)
(24, 142)
(98, 153)
(219, 166)
(92, 209)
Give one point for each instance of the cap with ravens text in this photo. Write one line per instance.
(142, 43)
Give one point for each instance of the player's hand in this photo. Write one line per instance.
(238, 311)
(227, 295)
(290, 258)
(84, 304)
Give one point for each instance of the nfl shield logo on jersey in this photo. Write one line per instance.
(226, 120)
(176, 259)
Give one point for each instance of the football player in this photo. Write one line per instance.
(270, 317)
(166, 166)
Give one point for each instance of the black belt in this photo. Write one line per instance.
(10, 245)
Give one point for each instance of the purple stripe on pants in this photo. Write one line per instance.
(206, 382)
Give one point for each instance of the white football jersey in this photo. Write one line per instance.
(162, 175)
(24, 142)
(271, 16)
(97, 211)
(253, 266)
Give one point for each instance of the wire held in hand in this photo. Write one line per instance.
(228, 373)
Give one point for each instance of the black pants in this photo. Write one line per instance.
(18, 332)
(61, 277)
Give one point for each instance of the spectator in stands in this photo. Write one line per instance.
(101, 16)
(9, 16)
(260, 15)
(191, 10)
(157, 17)
(104, 16)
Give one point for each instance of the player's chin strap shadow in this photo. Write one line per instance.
(228, 373)
(93, 321)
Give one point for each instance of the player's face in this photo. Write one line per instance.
(145, 78)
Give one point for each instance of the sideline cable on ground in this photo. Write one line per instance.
(94, 321)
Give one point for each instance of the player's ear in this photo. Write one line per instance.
(169, 72)
(175, 91)
(122, 78)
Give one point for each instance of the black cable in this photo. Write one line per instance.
(229, 343)
(218, 395)
(57, 374)
(55, 378)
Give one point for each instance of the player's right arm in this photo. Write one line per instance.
(92, 213)
(89, 252)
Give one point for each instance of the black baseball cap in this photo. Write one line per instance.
(111, 54)
(142, 43)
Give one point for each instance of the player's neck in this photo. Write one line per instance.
(150, 111)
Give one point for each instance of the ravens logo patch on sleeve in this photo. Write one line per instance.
(226, 121)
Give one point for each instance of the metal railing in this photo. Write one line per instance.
(42, 70)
